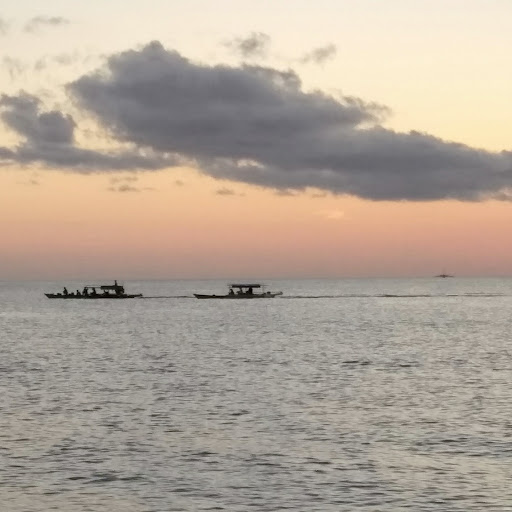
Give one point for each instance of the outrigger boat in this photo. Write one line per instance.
(241, 291)
(106, 291)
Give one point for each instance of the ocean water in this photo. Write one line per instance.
(371, 395)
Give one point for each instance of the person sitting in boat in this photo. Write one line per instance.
(84, 291)
(93, 291)
(249, 291)
(65, 291)
(231, 291)
(78, 293)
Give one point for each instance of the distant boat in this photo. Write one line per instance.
(105, 291)
(241, 291)
(444, 275)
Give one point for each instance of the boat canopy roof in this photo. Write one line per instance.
(245, 285)
(105, 286)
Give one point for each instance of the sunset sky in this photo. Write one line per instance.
(267, 139)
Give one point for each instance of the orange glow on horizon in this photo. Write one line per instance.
(73, 226)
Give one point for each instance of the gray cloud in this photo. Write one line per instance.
(13, 66)
(286, 192)
(16, 68)
(256, 125)
(4, 27)
(48, 139)
(255, 45)
(39, 22)
(225, 192)
(320, 55)
(249, 124)
(124, 179)
(124, 184)
(31, 181)
(160, 99)
(124, 187)
(62, 59)
(21, 114)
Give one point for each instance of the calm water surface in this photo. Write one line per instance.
(371, 395)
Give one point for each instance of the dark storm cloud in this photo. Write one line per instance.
(39, 22)
(320, 55)
(255, 45)
(257, 125)
(48, 139)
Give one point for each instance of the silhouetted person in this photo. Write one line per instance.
(231, 292)
(249, 291)
(65, 291)
(78, 293)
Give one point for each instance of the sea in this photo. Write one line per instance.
(341, 395)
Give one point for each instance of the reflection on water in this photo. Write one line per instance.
(351, 401)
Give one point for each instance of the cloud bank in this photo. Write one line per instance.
(255, 125)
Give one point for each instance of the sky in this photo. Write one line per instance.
(269, 139)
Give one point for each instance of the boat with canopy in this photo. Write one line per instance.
(96, 291)
(242, 291)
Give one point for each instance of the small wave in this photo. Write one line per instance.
(242, 412)
(103, 478)
(362, 362)
(319, 462)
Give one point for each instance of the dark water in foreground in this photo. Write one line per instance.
(349, 401)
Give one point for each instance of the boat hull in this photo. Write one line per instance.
(267, 295)
(92, 297)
